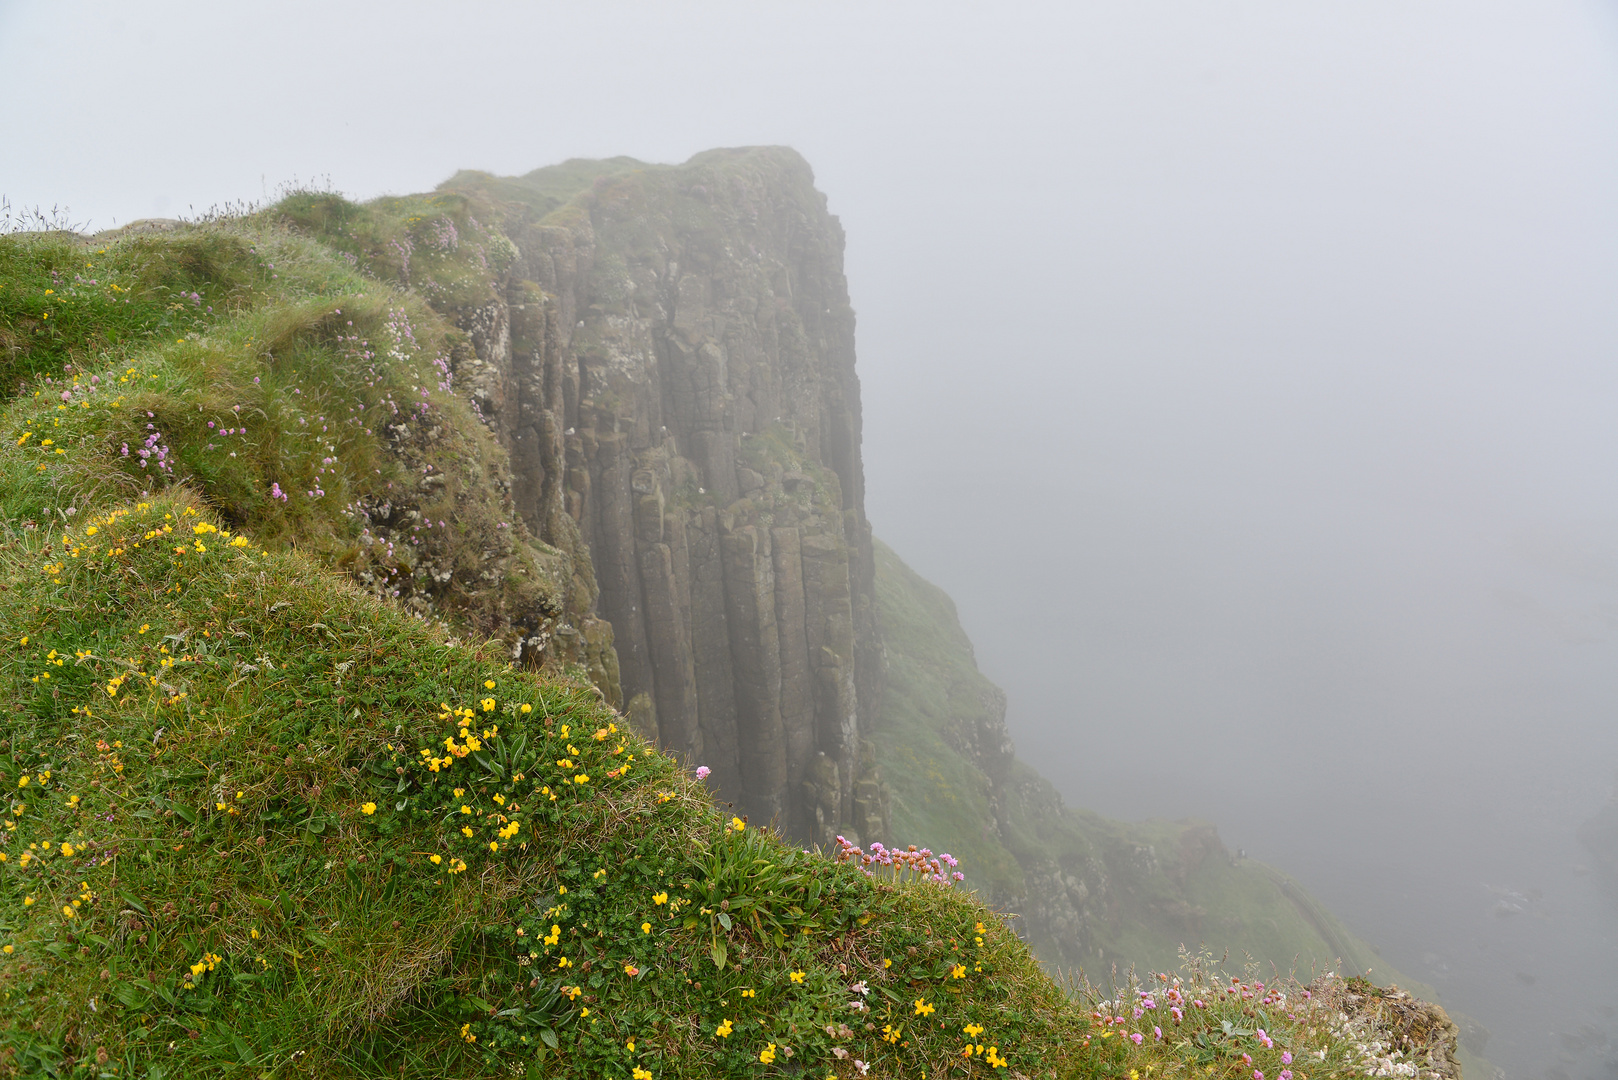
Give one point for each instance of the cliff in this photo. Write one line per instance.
(667, 354)
(280, 800)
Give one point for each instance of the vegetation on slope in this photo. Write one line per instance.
(1138, 891)
(262, 818)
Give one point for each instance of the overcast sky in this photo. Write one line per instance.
(1248, 372)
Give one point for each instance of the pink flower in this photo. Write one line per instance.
(1286, 1074)
(1258, 1075)
(702, 772)
(1158, 1032)
(1286, 1057)
(1138, 1037)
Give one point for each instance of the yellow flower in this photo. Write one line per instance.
(67, 849)
(69, 912)
(28, 901)
(466, 830)
(724, 1029)
(488, 684)
(972, 1030)
(488, 704)
(922, 1008)
(493, 846)
(631, 970)
(582, 778)
(527, 708)
(646, 928)
(435, 859)
(368, 809)
(638, 1073)
(6, 950)
(886, 962)
(767, 1054)
(796, 976)
(738, 824)
(958, 971)
(660, 898)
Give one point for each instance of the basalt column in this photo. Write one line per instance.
(673, 368)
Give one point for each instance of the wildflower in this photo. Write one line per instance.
(1158, 1033)
(435, 859)
(923, 1008)
(1137, 1037)
(494, 846)
(488, 684)
(630, 1045)
(563, 962)
(638, 1073)
(27, 901)
(67, 849)
(796, 976)
(724, 1029)
(466, 1033)
(738, 824)
(660, 898)
(995, 1060)
(631, 970)
(1286, 1074)
(368, 809)
(646, 928)
(1286, 1057)
(767, 1054)
(526, 709)
(702, 770)
(958, 971)
(466, 830)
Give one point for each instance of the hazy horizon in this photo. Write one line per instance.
(1246, 373)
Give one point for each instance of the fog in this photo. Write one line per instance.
(1246, 372)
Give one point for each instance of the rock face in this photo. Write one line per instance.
(669, 359)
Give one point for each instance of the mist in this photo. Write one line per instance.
(1244, 371)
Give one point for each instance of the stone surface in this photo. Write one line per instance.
(669, 359)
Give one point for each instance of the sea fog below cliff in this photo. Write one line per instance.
(1372, 660)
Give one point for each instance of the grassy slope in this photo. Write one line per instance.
(255, 810)
(1168, 882)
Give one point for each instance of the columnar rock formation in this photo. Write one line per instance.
(670, 361)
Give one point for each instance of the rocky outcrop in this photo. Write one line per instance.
(668, 355)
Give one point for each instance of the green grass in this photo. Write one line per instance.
(242, 763)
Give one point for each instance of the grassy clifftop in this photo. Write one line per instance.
(279, 804)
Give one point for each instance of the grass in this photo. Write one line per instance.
(277, 802)
(260, 819)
